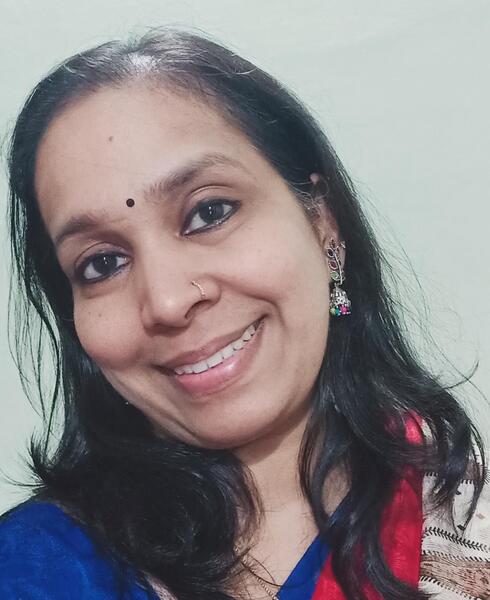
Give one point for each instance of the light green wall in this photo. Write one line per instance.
(403, 89)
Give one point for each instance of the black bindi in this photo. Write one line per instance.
(130, 202)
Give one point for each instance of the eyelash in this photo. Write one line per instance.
(232, 207)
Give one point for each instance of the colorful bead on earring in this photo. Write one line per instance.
(339, 302)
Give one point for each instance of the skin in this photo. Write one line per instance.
(265, 261)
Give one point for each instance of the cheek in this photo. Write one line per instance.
(106, 333)
(288, 268)
(298, 278)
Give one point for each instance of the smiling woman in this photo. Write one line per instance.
(243, 418)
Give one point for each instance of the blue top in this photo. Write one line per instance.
(46, 555)
(301, 582)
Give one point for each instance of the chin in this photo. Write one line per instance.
(221, 435)
(226, 440)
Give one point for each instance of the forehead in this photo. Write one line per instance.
(128, 113)
(116, 140)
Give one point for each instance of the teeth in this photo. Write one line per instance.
(200, 367)
(247, 335)
(216, 359)
(238, 345)
(227, 351)
(219, 356)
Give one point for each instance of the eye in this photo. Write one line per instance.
(208, 214)
(101, 266)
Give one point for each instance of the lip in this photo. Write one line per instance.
(188, 358)
(226, 373)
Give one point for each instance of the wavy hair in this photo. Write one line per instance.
(170, 510)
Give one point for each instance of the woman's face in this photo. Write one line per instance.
(144, 192)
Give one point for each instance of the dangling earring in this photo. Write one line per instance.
(339, 302)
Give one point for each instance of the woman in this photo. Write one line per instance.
(242, 415)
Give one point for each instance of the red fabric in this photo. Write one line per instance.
(401, 534)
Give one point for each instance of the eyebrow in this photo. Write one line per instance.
(188, 173)
(177, 179)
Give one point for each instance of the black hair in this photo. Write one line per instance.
(168, 509)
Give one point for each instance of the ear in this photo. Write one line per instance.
(325, 223)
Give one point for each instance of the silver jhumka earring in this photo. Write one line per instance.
(339, 302)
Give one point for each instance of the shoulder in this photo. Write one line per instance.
(456, 558)
(34, 524)
(44, 554)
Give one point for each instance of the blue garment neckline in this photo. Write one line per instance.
(301, 583)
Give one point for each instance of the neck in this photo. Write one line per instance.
(273, 463)
(286, 526)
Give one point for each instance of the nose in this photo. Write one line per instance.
(170, 298)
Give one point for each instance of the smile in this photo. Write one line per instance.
(221, 355)
(224, 367)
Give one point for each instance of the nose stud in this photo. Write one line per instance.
(200, 288)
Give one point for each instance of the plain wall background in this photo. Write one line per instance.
(403, 90)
